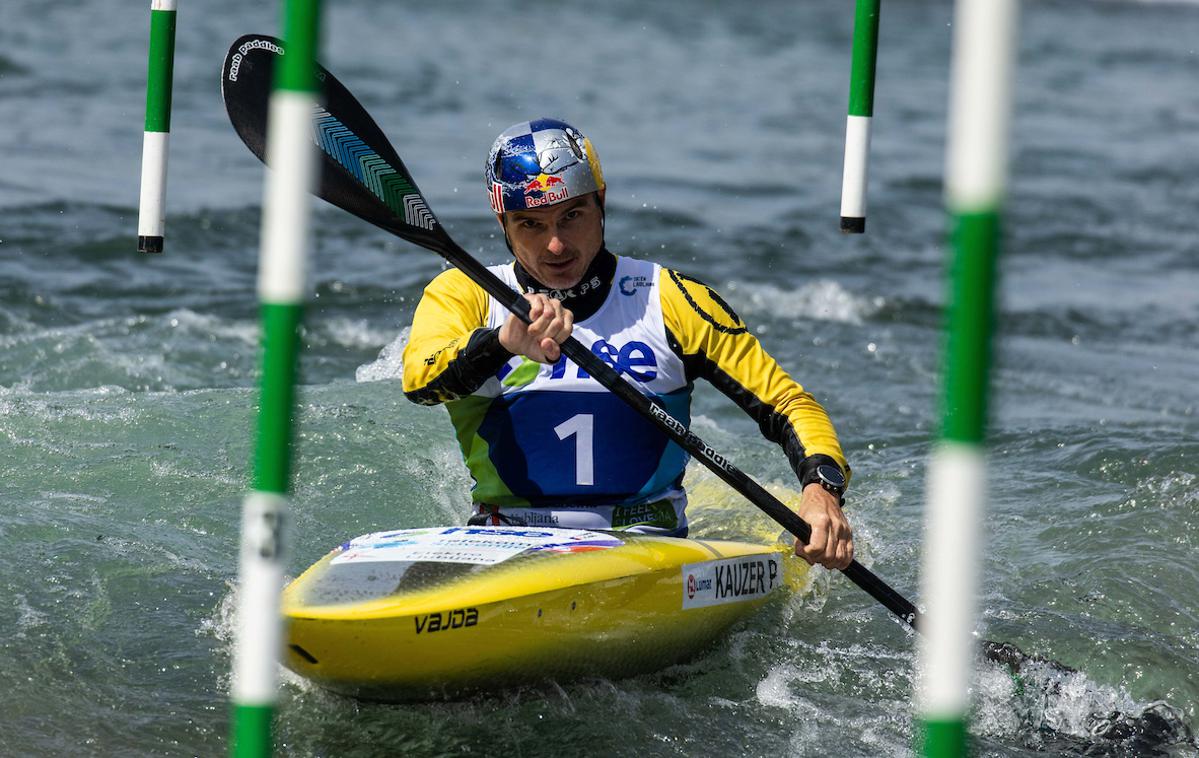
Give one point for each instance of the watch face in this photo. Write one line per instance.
(831, 475)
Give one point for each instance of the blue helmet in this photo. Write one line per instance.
(539, 163)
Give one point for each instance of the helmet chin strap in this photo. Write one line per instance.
(603, 225)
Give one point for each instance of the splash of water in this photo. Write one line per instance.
(389, 364)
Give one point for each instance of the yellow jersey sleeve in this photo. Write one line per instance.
(715, 344)
(450, 350)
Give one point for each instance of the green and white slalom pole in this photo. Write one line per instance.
(976, 168)
(861, 111)
(151, 216)
(282, 286)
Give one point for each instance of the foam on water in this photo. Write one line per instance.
(389, 364)
(818, 723)
(355, 333)
(220, 623)
(179, 349)
(28, 617)
(1042, 708)
(19, 402)
(821, 300)
(206, 326)
(1045, 707)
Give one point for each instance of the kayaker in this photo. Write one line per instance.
(545, 443)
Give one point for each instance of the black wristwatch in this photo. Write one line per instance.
(829, 476)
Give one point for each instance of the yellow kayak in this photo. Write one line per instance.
(426, 613)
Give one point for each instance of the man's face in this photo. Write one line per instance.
(556, 244)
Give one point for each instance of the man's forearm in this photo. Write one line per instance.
(463, 372)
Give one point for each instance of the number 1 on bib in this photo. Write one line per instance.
(581, 425)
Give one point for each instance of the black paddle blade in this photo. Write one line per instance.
(360, 171)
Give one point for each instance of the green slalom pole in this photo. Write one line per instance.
(861, 112)
(281, 288)
(976, 169)
(151, 217)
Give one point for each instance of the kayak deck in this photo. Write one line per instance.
(426, 613)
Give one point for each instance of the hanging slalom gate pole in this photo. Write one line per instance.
(281, 288)
(151, 217)
(976, 168)
(861, 111)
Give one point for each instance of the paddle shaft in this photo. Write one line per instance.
(686, 439)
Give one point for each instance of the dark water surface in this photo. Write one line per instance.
(127, 383)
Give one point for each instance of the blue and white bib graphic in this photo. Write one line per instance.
(553, 434)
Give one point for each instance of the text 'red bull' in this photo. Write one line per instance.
(538, 191)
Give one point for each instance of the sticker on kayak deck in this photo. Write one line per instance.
(469, 544)
(731, 580)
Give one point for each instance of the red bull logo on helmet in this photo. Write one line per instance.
(542, 183)
(545, 189)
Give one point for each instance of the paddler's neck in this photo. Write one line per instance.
(586, 297)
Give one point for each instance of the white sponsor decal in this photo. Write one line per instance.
(254, 44)
(731, 580)
(469, 544)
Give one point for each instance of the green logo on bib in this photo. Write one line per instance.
(659, 514)
(523, 374)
